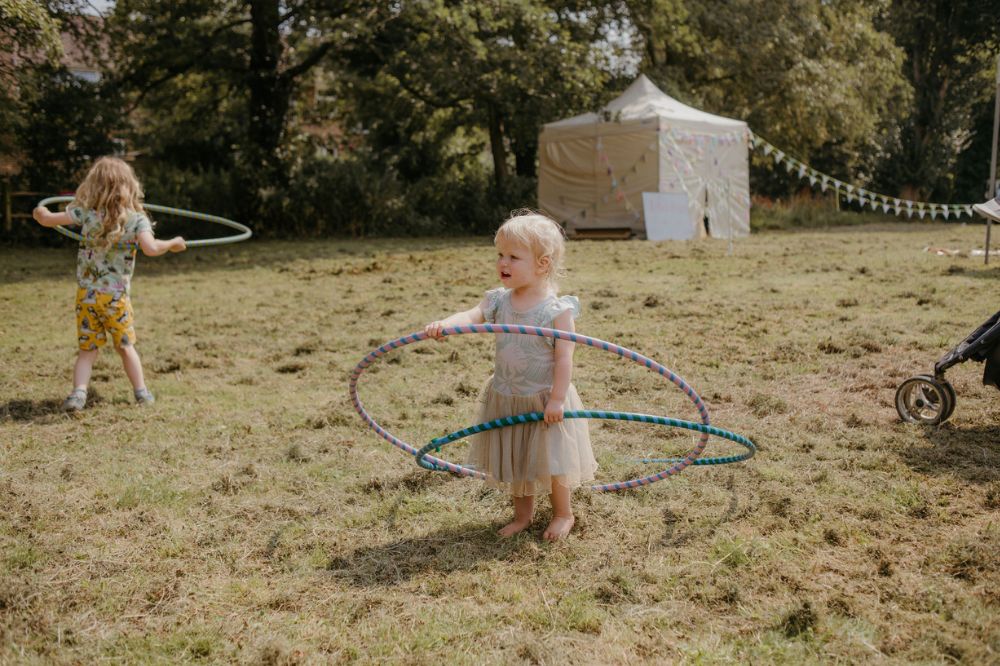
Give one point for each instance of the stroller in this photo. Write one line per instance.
(930, 399)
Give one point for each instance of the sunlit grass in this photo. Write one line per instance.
(250, 516)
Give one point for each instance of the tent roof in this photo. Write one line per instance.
(644, 101)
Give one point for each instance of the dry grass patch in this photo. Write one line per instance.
(251, 517)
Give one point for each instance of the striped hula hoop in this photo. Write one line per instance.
(530, 417)
(244, 230)
(424, 459)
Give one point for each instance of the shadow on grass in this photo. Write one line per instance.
(29, 410)
(459, 548)
(672, 537)
(35, 410)
(972, 453)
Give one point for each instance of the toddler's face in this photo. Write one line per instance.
(516, 265)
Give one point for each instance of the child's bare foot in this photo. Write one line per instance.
(524, 510)
(558, 528)
(515, 526)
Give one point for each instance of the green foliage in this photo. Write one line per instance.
(67, 122)
(804, 212)
(193, 188)
(354, 196)
(26, 29)
(26, 26)
(951, 49)
(817, 78)
(215, 81)
(490, 72)
(422, 116)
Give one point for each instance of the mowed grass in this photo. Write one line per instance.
(250, 516)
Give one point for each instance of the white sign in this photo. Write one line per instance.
(668, 216)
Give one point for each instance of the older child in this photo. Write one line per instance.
(530, 374)
(108, 207)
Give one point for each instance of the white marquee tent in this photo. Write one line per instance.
(595, 167)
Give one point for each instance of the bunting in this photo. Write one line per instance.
(864, 198)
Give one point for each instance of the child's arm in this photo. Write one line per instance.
(562, 373)
(154, 248)
(47, 218)
(473, 316)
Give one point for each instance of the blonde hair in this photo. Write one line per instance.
(541, 234)
(111, 190)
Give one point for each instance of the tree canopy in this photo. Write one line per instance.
(422, 115)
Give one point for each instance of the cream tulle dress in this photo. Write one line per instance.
(522, 459)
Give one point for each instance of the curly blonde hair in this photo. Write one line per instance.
(111, 190)
(541, 234)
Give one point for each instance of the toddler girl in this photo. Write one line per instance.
(108, 207)
(531, 374)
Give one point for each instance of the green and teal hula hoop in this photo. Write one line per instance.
(427, 461)
(244, 230)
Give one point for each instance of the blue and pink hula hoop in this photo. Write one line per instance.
(677, 465)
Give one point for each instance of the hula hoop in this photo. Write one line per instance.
(244, 230)
(437, 443)
(430, 462)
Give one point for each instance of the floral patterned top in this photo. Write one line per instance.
(524, 363)
(108, 271)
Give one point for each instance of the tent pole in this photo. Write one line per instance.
(729, 211)
(993, 158)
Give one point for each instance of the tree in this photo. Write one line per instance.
(67, 123)
(501, 69)
(950, 47)
(816, 77)
(222, 74)
(29, 35)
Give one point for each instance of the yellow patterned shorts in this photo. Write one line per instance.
(99, 315)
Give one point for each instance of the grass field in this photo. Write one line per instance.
(250, 516)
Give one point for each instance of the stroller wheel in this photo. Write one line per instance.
(924, 399)
(950, 395)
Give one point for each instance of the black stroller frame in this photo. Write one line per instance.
(930, 399)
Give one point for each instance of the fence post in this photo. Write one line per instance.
(8, 217)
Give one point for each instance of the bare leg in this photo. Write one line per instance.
(524, 509)
(562, 513)
(83, 367)
(133, 366)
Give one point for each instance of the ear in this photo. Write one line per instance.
(544, 264)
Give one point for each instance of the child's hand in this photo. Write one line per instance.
(433, 330)
(39, 213)
(177, 244)
(553, 411)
